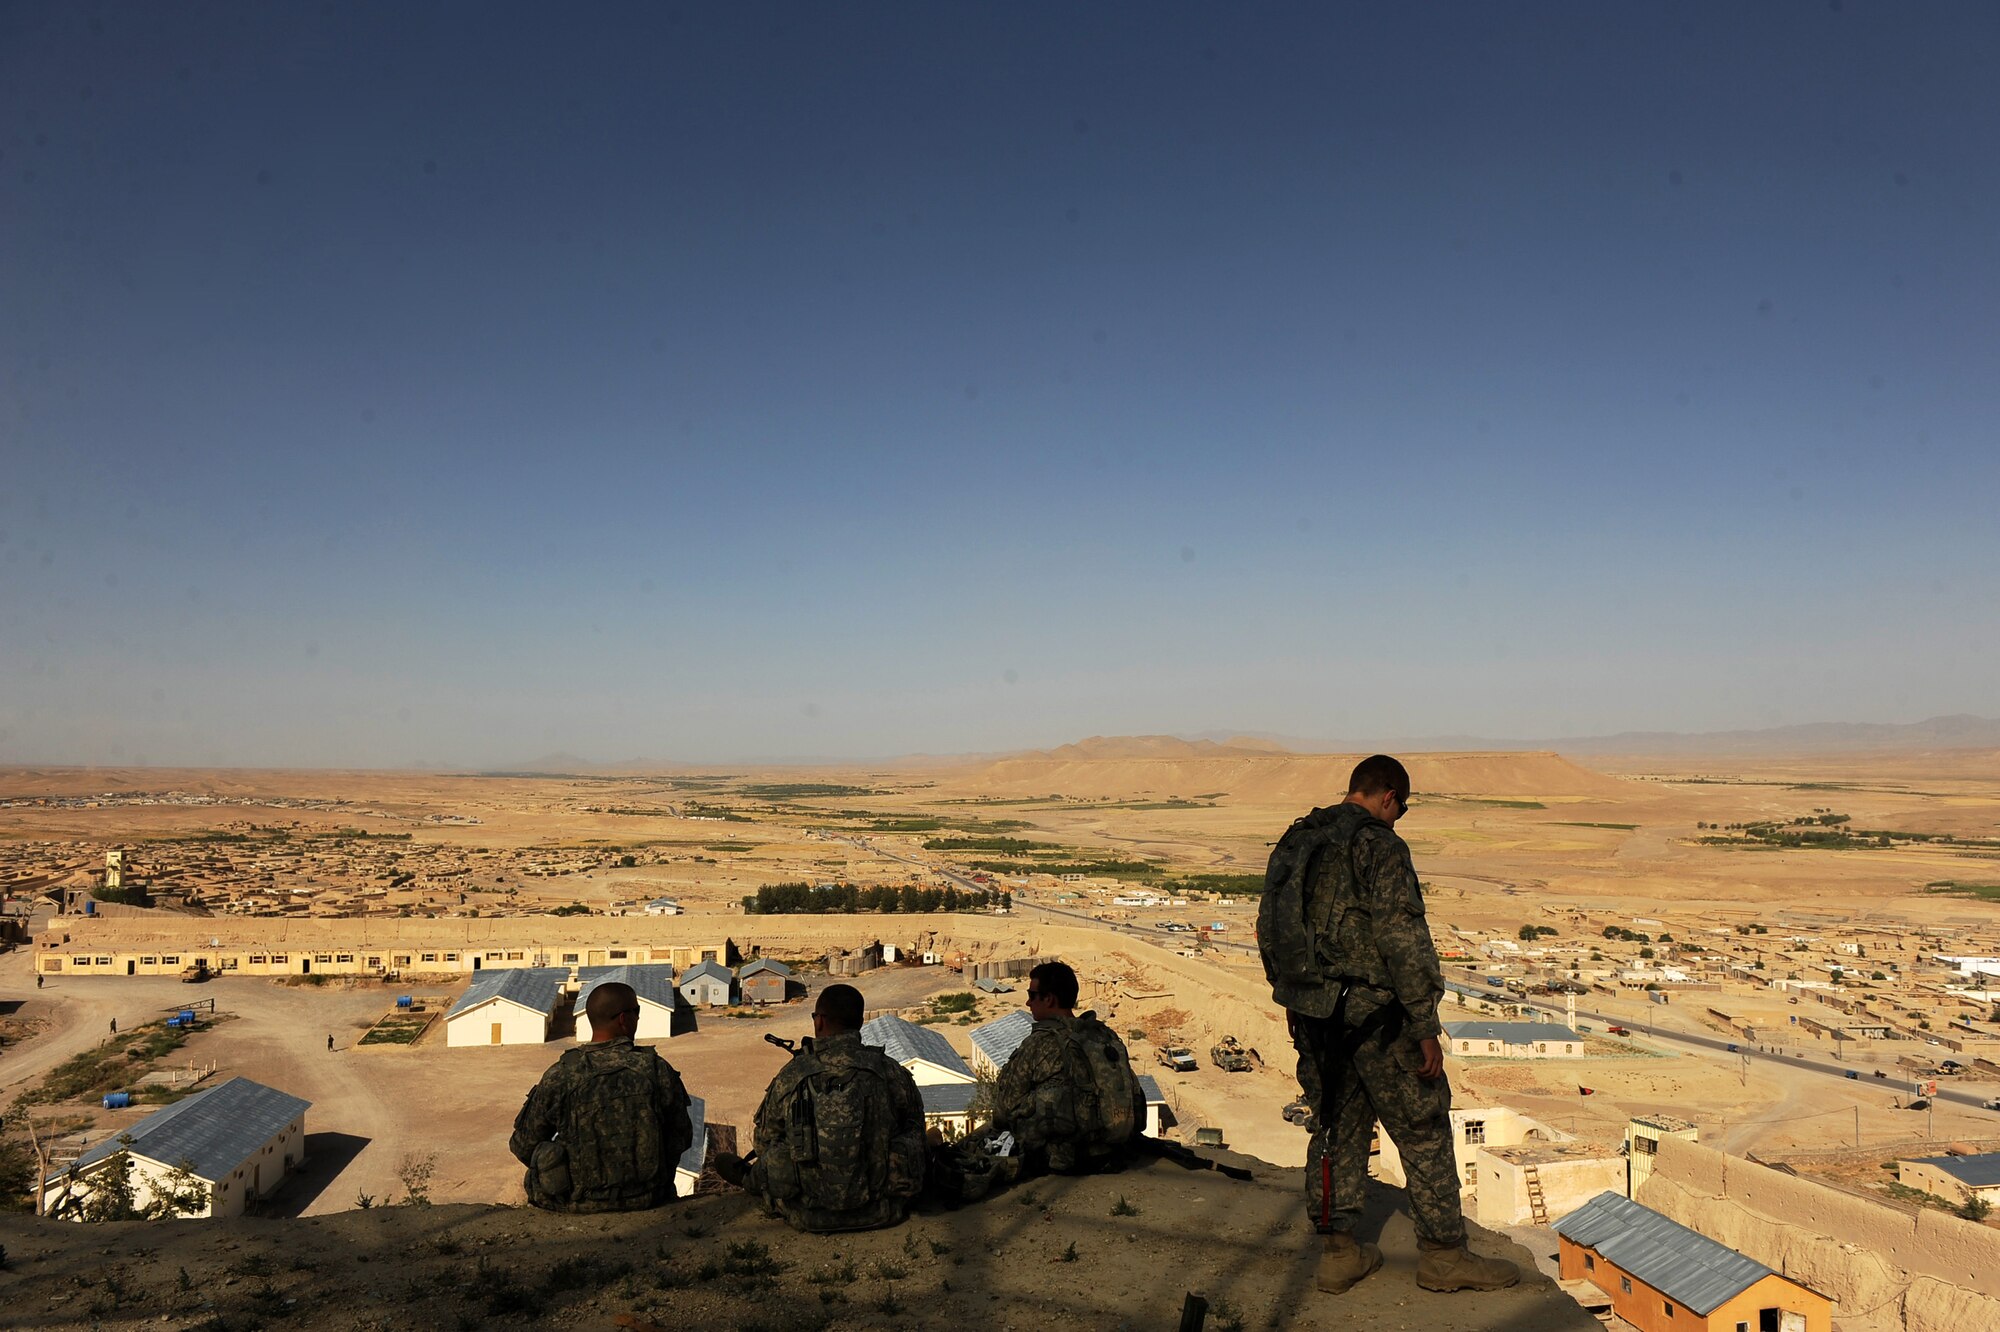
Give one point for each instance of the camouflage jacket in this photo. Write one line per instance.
(840, 1138)
(1366, 911)
(1037, 1100)
(604, 1130)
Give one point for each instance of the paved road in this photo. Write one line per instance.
(1720, 1045)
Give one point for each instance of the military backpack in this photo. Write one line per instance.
(1102, 1081)
(1294, 924)
(826, 1155)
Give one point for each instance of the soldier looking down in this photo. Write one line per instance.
(1349, 955)
(840, 1134)
(1068, 1093)
(604, 1129)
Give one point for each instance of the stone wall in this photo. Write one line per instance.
(1886, 1271)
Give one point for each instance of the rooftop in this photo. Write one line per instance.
(903, 1041)
(1975, 1172)
(533, 988)
(1513, 1033)
(652, 982)
(1684, 1265)
(213, 1131)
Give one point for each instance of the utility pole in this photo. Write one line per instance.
(1857, 1128)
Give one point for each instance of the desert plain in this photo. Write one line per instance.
(1766, 891)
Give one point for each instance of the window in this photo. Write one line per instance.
(618, 954)
(1645, 1146)
(1669, 1306)
(375, 962)
(1590, 1262)
(451, 957)
(80, 962)
(569, 957)
(1541, 1047)
(1743, 1327)
(322, 957)
(1491, 1047)
(256, 961)
(1568, 1048)
(514, 957)
(280, 959)
(170, 961)
(149, 961)
(402, 959)
(430, 957)
(229, 964)
(1625, 1284)
(1475, 1130)
(347, 957)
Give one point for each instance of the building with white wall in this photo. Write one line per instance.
(1471, 1129)
(1642, 1144)
(507, 1008)
(239, 1139)
(708, 984)
(659, 1000)
(1535, 1183)
(1958, 1179)
(922, 1050)
(1513, 1040)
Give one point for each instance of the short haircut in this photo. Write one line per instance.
(607, 1001)
(1058, 983)
(840, 1005)
(1378, 773)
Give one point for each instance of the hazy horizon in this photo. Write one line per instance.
(444, 385)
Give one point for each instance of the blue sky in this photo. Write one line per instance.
(460, 383)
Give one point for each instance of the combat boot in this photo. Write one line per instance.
(1455, 1267)
(1343, 1262)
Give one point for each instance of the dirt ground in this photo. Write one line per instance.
(1499, 839)
(1104, 1253)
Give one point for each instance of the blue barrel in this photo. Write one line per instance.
(187, 1017)
(117, 1100)
(173, 1022)
(405, 1000)
(89, 906)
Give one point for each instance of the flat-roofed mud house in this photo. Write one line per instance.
(1663, 1277)
(507, 1008)
(239, 1139)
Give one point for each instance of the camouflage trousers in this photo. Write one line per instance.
(1352, 1083)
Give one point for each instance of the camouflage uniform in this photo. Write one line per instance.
(604, 1130)
(1359, 1063)
(835, 1189)
(1036, 1100)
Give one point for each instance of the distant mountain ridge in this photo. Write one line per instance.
(1957, 731)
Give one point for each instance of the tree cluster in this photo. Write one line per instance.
(834, 899)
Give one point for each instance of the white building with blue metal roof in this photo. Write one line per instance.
(994, 1043)
(1513, 1040)
(507, 1007)
(659, 999)
(922, 1050)
(240, 1139)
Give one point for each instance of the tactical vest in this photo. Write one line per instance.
(616, 1148)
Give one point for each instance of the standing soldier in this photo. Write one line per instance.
(1349, 955)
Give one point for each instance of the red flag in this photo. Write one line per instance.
(1586, 1091)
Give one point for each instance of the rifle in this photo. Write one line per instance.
(1185, 1158)
(803, 1045)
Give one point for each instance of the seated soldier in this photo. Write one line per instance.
(1068, 1094)
(840, 1135)
(604, 1129)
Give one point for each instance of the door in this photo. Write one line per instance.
(305, 966)
(131, 967)
(599, 957)
(475, 961)
(496, 1033)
